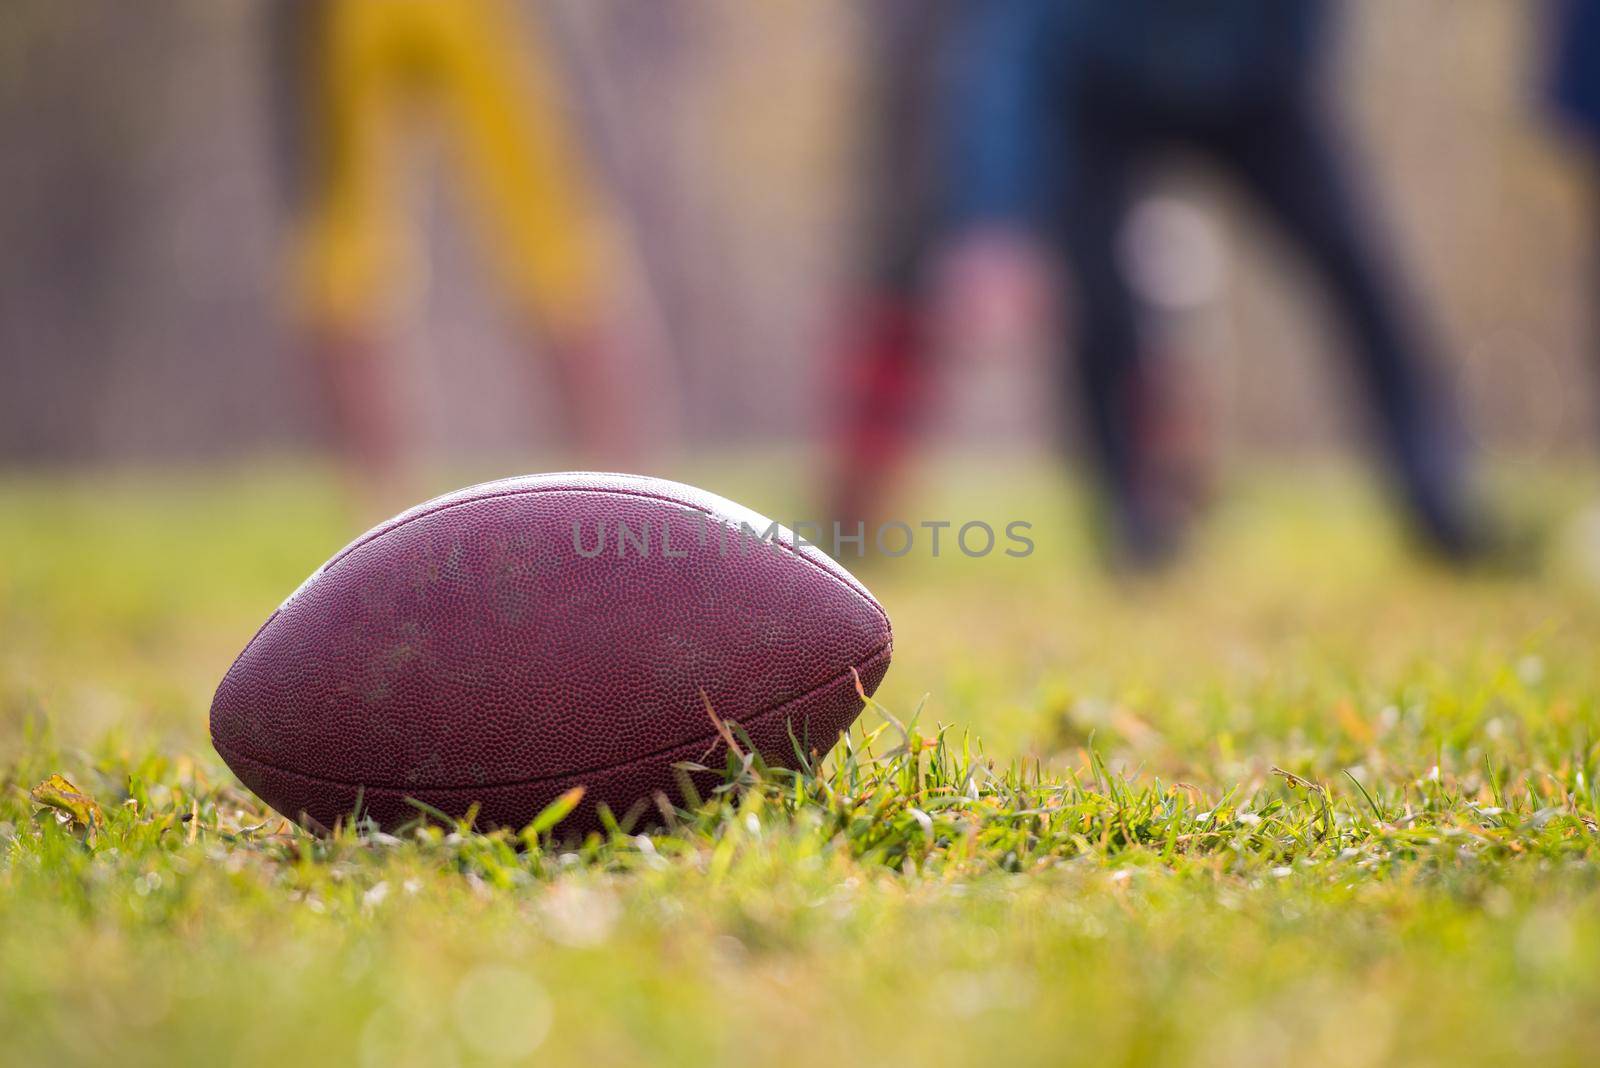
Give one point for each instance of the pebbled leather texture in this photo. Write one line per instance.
(469, 651)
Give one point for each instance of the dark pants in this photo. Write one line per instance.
(1285, 158)
(881, 374)
(1060, 110)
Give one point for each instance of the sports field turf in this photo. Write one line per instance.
(1303, 801)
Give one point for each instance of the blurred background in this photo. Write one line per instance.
(145, 305)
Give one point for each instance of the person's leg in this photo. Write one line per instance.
(347, 234)
(1115, 390)
(1289, 158)
(880, 384)
(880, 372)
(544, 215)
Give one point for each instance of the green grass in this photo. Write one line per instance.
(1303, 800)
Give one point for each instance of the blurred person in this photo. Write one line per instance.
(358, 75)
(1575, 71)
(881, 366)
(1064, 107)
(1575, 67)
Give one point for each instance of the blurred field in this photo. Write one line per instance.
(1144, 890)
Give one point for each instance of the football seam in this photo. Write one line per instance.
(883, 652)
(852, 584)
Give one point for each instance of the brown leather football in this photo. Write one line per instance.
(507, 642)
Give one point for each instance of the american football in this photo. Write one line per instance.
(504, 644)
